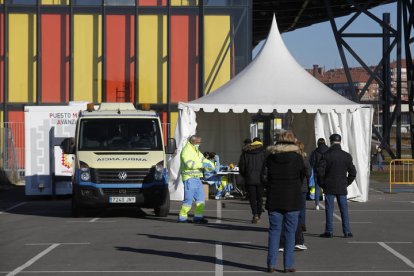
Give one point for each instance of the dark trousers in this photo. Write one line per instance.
(255, 194)
(299, 238)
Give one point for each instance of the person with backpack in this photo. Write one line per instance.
(313, 160)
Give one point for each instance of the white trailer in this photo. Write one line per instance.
(47, 170)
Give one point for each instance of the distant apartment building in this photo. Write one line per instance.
(336, 80)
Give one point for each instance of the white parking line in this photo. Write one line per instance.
(398, 255)
(11, 208)
(61, 243)
(195, 272)
(219, 246)
(92, 220)
(218, 210)
(33, 260)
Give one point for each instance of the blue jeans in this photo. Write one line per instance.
(343, 208)
(289, 220)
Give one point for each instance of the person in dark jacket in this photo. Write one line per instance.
(314, 159)
(285, 170)
(336, 172)
(250, 167)
(299, 239)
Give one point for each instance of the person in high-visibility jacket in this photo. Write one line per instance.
(191, 168)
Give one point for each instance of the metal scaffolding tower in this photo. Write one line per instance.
(391, 40)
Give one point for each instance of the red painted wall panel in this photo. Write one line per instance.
(119, 58)
(152, 2)
(55, 58)
(184, 55)
(16, 123)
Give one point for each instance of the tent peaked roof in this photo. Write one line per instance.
(273, 81)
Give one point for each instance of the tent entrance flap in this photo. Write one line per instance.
(223, 133)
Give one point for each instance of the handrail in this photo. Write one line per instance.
(401, 172)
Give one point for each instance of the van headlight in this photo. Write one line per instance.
(85, 173)
(159, 169)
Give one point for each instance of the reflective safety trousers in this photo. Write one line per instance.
(193, 190)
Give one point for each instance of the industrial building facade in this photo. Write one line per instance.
(156, 52)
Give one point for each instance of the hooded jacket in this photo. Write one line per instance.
(285, 172)
(251, 163)
(315, 157)
(317, 154)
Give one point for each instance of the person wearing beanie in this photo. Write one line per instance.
(336, 172)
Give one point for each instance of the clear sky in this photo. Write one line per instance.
(316, 44)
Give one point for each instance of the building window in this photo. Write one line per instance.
(120, 2)
(87, 2)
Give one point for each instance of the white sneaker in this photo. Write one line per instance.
(300, 247)
(217, 197)
(228, 195)
(281, 249)
(317, 207)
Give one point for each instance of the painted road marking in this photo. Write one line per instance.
(33, 260)
(219, 246)
(397, 254)
(193, 272)
(13, 207)
(394, 252)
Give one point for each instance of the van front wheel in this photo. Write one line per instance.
(163, 209)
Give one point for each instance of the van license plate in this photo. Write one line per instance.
(122, 199)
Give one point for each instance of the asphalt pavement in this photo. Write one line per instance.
(39, 237)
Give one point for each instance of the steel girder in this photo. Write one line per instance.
(408, 19)
(391, 37)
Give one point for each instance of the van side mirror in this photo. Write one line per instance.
(68, 146)
(171, 146)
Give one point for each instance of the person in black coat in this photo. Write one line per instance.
(285, 171)
(314, 158)
(250, 167)
(336, 172)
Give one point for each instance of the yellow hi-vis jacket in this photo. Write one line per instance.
(191, 162)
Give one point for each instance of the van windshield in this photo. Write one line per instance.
(119, 134)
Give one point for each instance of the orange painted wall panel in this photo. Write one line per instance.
(55, 58)
(184, 58)
(152, 2)
(120, 58)
(16, 123)
(1, 57)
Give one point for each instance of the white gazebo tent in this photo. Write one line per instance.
(274, 82)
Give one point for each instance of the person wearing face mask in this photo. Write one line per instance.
(191, 168)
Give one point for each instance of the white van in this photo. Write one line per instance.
(119, 159)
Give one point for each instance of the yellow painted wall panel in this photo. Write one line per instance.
(152, 59)
(22, 58)
(87, 67)
(173, 118)
(55, 2)
(216, 42)
(184, 2)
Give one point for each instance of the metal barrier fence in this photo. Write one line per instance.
(401, 172)
(12, 150)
